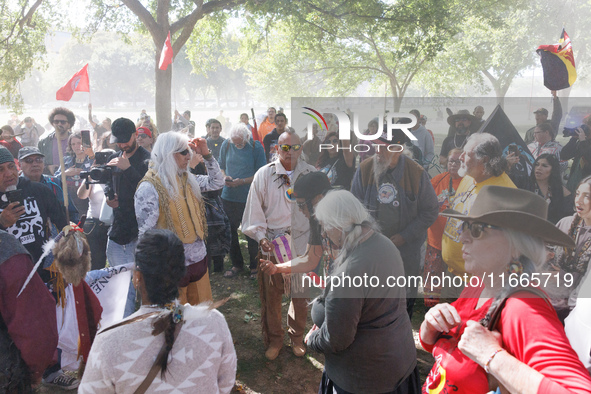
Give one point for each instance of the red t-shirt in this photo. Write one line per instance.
(441, 185)
(531, 333)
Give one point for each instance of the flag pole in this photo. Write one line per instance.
(63, 176)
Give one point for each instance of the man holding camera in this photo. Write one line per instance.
(25, 207)
(130, 165)
(578, 148)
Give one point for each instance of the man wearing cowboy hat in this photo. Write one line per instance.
(541, 115)
(462, 124)
(483, 164)
(398, 193)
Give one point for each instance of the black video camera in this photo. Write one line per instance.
(572, 131)
(100, 174)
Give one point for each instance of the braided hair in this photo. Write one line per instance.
(160, 257)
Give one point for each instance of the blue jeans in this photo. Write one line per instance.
(123, 254)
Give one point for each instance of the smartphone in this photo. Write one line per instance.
(15, 196)
(86, 138)
(513, 148)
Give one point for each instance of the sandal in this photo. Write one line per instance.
(232, 272)
(253, 274)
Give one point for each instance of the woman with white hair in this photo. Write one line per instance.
(169, 197)
(240, 159)
(503, 333)
(362, 328)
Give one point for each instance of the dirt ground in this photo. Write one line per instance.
(286, 373)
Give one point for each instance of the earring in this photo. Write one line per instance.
(515, 267)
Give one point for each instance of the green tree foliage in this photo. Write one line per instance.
(157, 18)
(332, 46)
(22, 30)
(214, 53)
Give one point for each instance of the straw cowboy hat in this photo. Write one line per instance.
(514, 209)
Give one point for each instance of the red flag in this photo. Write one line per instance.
(78, 83)
(166, 54)
(255, 129)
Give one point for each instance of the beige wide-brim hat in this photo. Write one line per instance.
(515, 209)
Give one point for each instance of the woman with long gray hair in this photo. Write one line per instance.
(169, 197)
(362, 328)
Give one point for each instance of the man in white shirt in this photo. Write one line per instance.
(270, 212)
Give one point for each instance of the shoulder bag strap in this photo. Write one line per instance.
(496, 315)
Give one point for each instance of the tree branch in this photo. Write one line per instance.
(187, 23)
(27, 18)
(145, 17)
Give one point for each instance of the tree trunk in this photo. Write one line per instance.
(162, 99)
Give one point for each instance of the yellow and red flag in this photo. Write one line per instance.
(558, 63)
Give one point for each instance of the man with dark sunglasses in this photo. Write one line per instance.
(271, 213)
(62, 119)
(130, 165)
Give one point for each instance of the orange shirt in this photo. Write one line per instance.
(441, 185)
(265, 128)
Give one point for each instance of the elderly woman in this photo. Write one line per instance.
(170, 197)
(527, 350)
(364, 332)
(150, 347)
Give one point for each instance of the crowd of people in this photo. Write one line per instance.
(175, 205)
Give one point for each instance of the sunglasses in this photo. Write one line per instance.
(333, 141)
(31, 160)
(184, 153)
(60, 121)
(286, 147)
(142, 136)
(476, 228)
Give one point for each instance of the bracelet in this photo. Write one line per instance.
(208, 156)
(487, 364)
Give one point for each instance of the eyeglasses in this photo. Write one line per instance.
(31, 160)
(184, 153)
(286, 147)
(455, 162)
(477, 229)
(56, 121)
